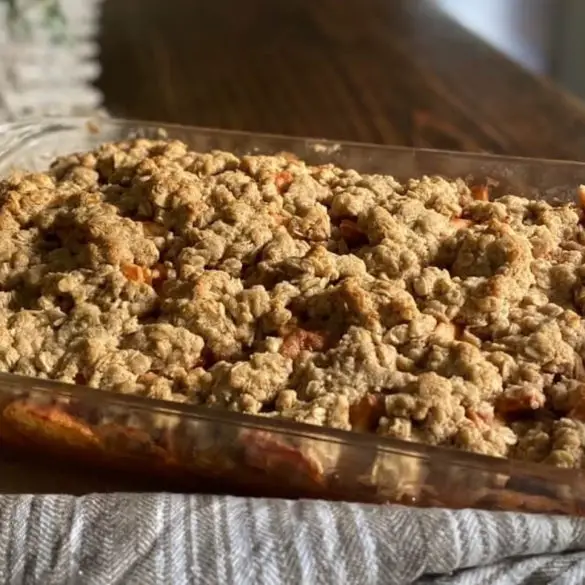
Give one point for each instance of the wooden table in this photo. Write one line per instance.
(385, 71)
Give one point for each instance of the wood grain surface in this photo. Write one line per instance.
(384, 71)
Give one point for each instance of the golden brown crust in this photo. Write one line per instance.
(425, 310)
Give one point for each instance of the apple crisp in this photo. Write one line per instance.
(420, 310)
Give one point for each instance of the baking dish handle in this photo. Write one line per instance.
(13, 134)
(19, 139)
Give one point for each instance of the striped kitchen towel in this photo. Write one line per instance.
(144, 539)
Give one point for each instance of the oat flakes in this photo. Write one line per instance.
(418, 310)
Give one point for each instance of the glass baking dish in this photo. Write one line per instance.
(193, 448)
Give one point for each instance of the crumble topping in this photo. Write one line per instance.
(418, 310)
